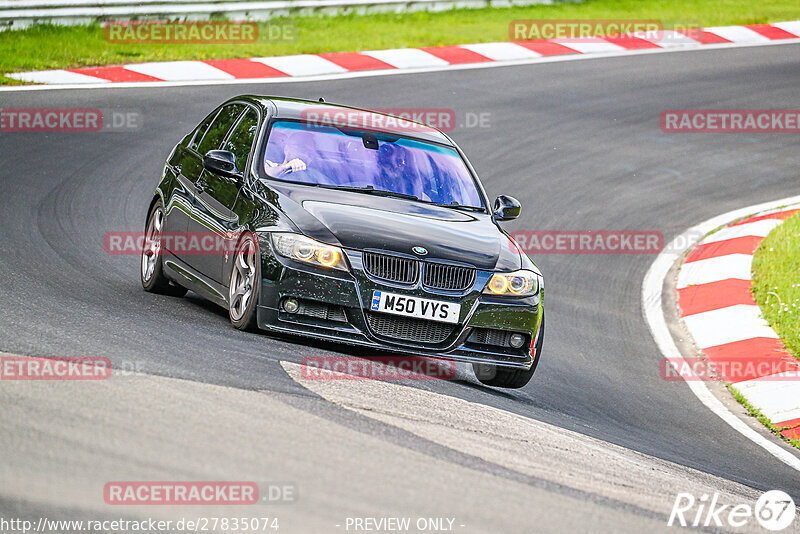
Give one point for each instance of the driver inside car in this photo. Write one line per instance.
(293, 150)
(398, 171)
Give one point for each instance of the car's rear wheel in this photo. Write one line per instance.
(507, 377)
(152, 271)
(244, 284)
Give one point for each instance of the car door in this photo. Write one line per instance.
(203, 223)
(186, 165)
(223, 193)
(217, 196)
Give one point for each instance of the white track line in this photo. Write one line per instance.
(179, 70)
(501, 51)
(671, 38)
(396, 72)
(407, 58)
(652, 308)
(64, 77)
(735, 266)
(777, 396)
(756, 229)
(590, 46)
(728, 325)
(737, 34)
(301, 65)
(792, 27)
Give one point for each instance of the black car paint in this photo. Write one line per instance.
(353, 221)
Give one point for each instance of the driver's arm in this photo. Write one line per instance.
(292, 165)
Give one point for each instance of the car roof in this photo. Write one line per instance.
(327, 113)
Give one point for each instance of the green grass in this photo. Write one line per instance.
(776, 288)
(54, 47)
(776, 281)
(763, 419)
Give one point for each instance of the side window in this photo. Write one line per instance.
(201, 130)
(241, 139)
(219, 128)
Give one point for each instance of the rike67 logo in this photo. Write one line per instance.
(774, 510)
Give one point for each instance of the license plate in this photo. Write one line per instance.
(434, 310)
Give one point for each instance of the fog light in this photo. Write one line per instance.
(516, 340)
(291, 305)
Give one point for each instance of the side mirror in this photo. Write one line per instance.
(222, 162)
(506, 208)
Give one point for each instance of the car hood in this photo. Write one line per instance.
(360, 221)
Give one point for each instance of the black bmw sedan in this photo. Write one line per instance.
(346, 225)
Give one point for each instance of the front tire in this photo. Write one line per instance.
(245, 283)
(506, 377)
(151, 272)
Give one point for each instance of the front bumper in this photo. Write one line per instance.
(336, 306)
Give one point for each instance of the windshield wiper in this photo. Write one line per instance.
(369, 190)
(457, 206)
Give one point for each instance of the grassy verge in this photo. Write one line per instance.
(55, 47)
(763, 419)
(776, 281)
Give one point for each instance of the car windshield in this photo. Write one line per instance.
(329, 157)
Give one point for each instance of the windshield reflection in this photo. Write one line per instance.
(326, 156)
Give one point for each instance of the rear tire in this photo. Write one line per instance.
(507, 377)
(245, 282)
(151, 270)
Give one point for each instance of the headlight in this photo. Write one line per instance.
(301, 248)
(517, 283)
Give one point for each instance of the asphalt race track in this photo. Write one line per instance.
(578, 142)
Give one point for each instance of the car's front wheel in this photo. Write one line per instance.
(244, 284)
(152, 272)
(507, 377)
